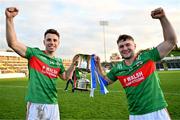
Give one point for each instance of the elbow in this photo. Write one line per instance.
(176, 41)
(173, 41)
(12, 45)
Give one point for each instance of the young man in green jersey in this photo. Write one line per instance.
(138, 76)
(44, 70)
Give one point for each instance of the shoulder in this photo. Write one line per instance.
(59, 59)
(34, 49)
(32, 52)
(150, 53)
(143, 51)
(117, 67)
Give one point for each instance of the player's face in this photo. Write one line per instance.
(127, 48)
(51, 42)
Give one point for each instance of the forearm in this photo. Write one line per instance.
(170, 39)
(69, 71)
(102, 73)
(100, 69)
(12, 41)
(168, 31)
(10, 32)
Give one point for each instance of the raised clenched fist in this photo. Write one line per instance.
(11, 12)
(158, 13)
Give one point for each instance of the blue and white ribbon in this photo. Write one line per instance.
(95, 76)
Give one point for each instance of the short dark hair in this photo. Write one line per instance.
(52, 31)
(124, 37)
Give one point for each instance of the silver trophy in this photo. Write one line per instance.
(84, 68)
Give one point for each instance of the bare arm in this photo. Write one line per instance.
(69, 72)
(101, 71)
(170, 39)
(12, 41)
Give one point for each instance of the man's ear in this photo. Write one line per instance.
(59, 42)
(44, 42)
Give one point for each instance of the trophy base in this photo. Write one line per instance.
(82, 89)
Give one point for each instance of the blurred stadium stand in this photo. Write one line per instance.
(10, 62)
(169, 63)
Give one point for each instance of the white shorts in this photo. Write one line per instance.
(37, 111)
(157, 115)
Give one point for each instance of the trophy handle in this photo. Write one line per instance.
(84, 62)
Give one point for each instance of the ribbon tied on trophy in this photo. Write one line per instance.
(87, 65)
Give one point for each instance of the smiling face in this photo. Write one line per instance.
(127, 48)
(51, 42)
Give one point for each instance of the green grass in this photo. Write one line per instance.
(79, 106)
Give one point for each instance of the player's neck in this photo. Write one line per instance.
(50, 54)
(130, 61)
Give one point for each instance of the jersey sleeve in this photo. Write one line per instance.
(111, 74)
(30, 52)
(153, 54)
(61, 66)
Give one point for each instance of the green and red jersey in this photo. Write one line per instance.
(43, 75)
(141, 83)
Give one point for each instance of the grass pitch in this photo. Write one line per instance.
(79, 106)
